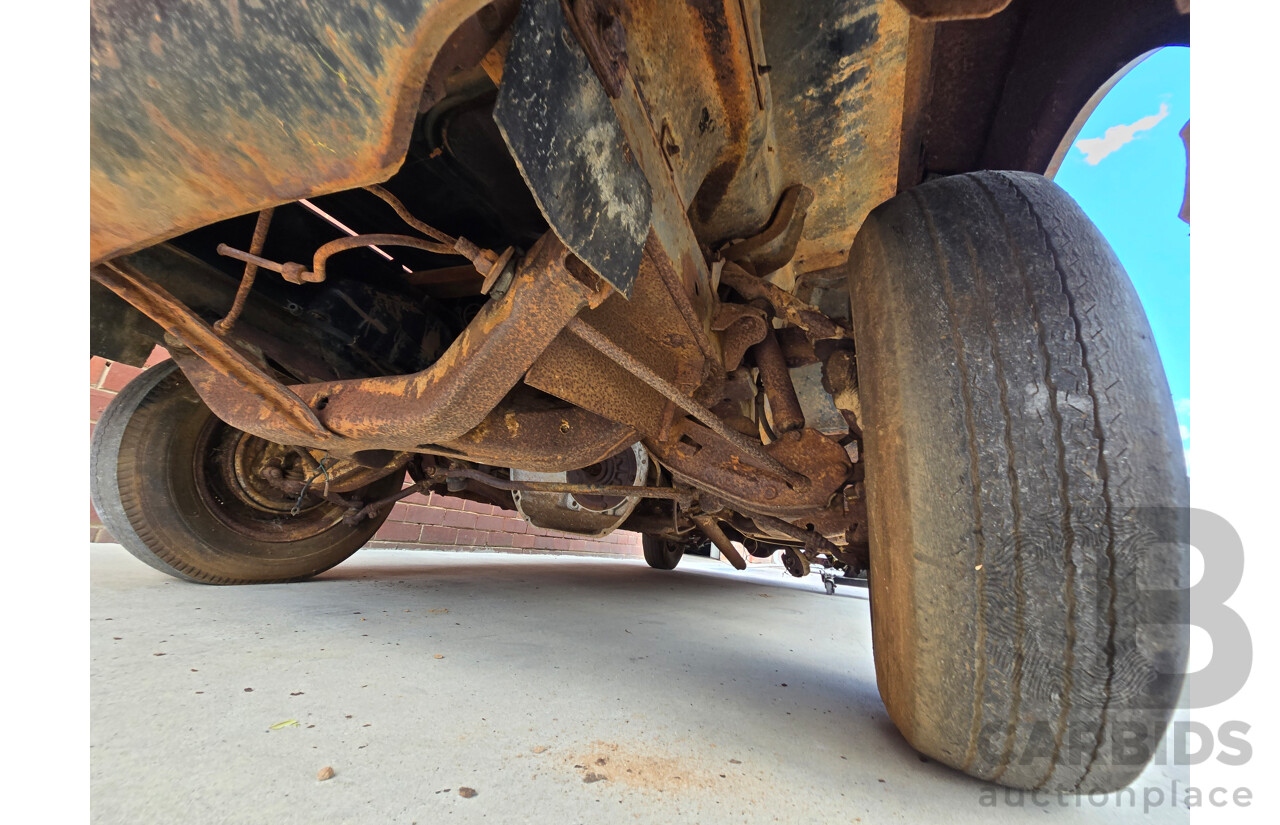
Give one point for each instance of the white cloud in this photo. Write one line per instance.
(1183, 406)
(1095, 149)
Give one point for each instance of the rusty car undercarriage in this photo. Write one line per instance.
(583, 259)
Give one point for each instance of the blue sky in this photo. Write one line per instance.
(1127, 170)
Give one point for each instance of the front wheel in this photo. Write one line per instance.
(1025, 485)
(184, 492)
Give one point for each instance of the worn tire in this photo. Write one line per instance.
(144, 486)
(660, 553)
(1026, 487)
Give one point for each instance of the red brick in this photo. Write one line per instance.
(157, 355)
(447, 502)
(118, 376)
(457, 518)
(399, 531)
(435, 534)
(516, 525)
(415, 514)
(491, 523)
(524, 540)
(98, 401)
(499, 539)
(416, 498)
(470, 538)
(560, 544)
(477, 507)
(100, 535)
(96, 366)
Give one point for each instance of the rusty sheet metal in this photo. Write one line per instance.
(654, 330)
(745, 445)
(697, 456)
(939, 10)
(837, 80)
(280, 414)
(541, 440)
(571, 150)
(201, 111)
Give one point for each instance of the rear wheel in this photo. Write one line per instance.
(1025, 483)
(661, 554)
(183, 492)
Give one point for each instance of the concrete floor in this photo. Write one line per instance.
(700, 695)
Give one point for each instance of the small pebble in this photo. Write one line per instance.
(325, 773)
(467, 793)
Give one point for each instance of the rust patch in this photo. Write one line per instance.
(644, 769)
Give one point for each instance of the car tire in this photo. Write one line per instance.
(154, 483)
(660, 553)
(1026, 487)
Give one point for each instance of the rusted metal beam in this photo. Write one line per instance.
(711, 530)
(679, 296)
(788, 417)
(787, 306)
(478, 369)
(623, 359)
(283, 416)
(402, 412)
(250, 273)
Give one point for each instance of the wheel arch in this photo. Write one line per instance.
(1003, 92)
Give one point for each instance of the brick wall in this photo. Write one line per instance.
(420, 521)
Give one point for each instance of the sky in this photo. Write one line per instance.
(1127, 170)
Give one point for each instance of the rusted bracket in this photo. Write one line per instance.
(776, 244)
(742, 327)
(283, 416)
(701, 458)
(787, 306)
